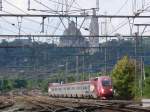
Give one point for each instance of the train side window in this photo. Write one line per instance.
(85, 87)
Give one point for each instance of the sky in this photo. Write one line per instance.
(33, 25)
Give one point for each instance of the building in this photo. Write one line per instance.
(75, 39)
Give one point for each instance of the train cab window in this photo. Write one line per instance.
(106, 83)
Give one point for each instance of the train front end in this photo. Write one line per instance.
(105, 88)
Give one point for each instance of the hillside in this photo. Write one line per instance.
(46, 59)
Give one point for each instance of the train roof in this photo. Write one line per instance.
(81, 82)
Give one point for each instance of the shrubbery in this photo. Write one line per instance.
(123, 78)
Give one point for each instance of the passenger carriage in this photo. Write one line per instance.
(100, 87)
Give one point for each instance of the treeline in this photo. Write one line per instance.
(12, 84)
(44, 55)
(7, 84)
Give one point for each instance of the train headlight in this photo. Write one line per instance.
(102, 90)
(92, 88)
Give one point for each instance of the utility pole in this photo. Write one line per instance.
(90, 70)
(106, 44)
(77, 68)
(134, 6)
(83, 67)
(43, 24)
(62, 7)
(97, 4)
(19, 25)
(140, 41)
(67, 7)
(1, 5)
(66, 71)
(135, 53)
(28, 5)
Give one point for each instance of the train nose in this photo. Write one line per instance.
(102, 90)
(111, 90)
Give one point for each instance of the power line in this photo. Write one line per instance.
(15, 7)
(73, 16)
(52, 11)
(25, 13)
(122, 7)
(58, 36)
(65, 4)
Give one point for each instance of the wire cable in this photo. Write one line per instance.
(27, 13)
(125, 3)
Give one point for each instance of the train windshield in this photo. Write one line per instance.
(106, 82)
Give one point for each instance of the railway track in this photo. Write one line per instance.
(46, 104)
(6, 102)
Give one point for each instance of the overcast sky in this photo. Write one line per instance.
(113, 7)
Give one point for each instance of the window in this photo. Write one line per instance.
(106, 83)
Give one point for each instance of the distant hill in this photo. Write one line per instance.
(44, 58)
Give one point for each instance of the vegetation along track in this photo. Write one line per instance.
(46, 104)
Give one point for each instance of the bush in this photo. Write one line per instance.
(123, 78)
(147, 88)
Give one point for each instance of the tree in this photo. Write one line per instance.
(20, 83)
(7, 85)
(123, 77)
(147, 88)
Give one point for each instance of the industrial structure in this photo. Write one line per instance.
(76, 41)
(94, 30)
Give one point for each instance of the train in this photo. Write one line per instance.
(95, 88)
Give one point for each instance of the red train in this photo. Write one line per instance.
(100, 87)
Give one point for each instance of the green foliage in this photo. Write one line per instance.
(147, 71)
(70, 79)
(123, 78)
(20, 83)
(7, 85)
(147, 88)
